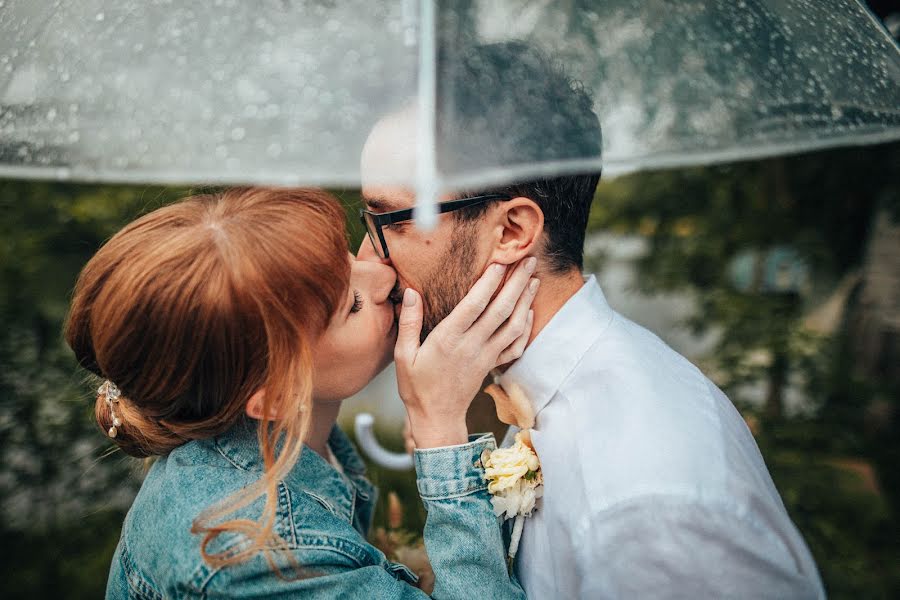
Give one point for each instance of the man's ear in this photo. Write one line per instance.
(254, 407)
(519, 227)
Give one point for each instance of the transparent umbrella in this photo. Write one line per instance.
(288, 91)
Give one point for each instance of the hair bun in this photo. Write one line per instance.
(133, 432)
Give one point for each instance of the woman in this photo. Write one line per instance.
(226, 329)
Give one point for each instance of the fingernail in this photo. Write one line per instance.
(530, 264)
(498, 268)
(533, 285)
(409, 297)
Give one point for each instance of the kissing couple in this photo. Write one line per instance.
(226, 329)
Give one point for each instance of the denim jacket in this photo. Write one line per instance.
(323, 516)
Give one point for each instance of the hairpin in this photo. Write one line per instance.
(111, 394)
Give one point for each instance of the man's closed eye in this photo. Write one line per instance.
(396, 227)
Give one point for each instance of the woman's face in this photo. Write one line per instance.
(359, 342)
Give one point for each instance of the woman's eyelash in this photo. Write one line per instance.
(357, 302)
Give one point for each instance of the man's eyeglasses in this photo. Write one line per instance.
(375, 221)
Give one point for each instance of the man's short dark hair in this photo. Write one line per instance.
(508, 104)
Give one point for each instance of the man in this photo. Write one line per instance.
(653, 485)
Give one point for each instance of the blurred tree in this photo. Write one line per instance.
(55, 493)
(809, 210)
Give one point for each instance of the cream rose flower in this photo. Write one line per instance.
(519, 500)
(514, 478)
(513, 474)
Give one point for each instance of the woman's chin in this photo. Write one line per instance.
(355, 379)
(386, 360)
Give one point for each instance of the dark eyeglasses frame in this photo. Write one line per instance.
(373, 222)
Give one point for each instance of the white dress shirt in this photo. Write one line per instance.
(653, 484)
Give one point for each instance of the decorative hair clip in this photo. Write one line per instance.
(111, 394)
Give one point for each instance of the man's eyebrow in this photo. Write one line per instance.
(379, 204)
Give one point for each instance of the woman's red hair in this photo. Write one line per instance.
(193, 308)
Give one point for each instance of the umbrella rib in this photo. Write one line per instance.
(426, 160)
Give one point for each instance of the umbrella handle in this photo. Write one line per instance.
(363, 426)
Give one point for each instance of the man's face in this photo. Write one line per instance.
(441, 264)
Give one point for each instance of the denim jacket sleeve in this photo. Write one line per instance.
(462, 537)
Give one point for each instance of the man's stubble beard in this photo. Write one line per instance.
(451, 280)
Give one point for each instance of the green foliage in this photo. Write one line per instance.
(54, 475)
(698, 221)
(47, 444)
(68, 561)
(849, 527)
(352, 202)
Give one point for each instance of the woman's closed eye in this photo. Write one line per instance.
(357, 302)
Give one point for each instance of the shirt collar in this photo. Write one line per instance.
(559, 347)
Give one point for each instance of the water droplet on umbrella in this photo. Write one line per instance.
(100, 16)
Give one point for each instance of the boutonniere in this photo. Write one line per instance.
(514, 474)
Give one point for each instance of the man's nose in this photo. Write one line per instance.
(367, 252)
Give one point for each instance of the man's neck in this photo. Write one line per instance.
(555, 291)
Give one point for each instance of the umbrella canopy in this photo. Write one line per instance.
(287, 91)
(228, 91)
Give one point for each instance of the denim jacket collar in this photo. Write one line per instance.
(312, 474)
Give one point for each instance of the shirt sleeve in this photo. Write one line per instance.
(665, 548)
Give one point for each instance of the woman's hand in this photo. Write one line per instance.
(439, 378)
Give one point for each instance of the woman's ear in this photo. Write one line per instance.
(255, 406)
(520, 226)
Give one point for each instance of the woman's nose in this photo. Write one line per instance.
(380, 279)
(386, 279)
